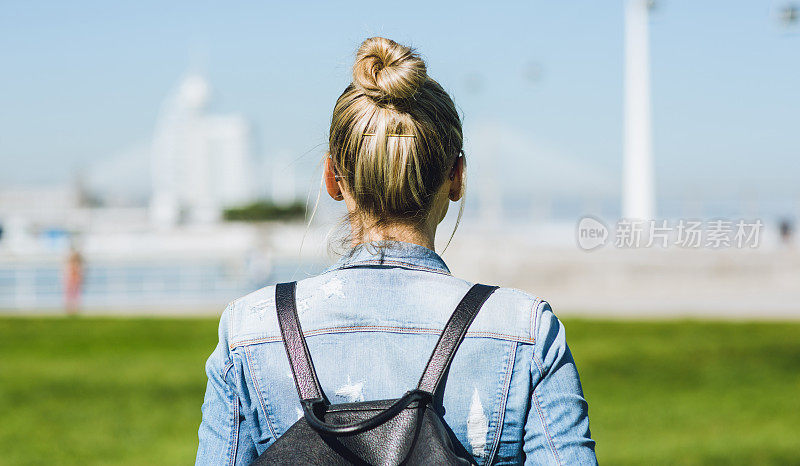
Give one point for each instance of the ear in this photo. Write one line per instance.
(457, 178)
(331, 185)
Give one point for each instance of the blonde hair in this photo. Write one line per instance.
(395, 134)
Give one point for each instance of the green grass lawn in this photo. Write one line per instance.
(128, 391)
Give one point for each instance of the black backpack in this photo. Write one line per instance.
(409, 430)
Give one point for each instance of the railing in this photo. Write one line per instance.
(169, 285)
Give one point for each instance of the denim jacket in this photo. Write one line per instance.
(371, 321)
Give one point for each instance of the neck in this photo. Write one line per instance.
(423, 237)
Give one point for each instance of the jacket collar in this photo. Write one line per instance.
(392, 254)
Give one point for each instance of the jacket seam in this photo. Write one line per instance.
(392, 262)
(234, 437)
(538, 366)
(227, 368)
(535, 316)
(235, 442)
(540, 412)
(379, 328)
(257, 388)
(503, 401)
(550, 442)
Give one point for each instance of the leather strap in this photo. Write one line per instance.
(367, 424)
(452, 335)
(305, 377)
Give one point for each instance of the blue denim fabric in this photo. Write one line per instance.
(371, 321)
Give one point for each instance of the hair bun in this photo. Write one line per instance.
(386, 70)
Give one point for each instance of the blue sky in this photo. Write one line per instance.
(82, 82)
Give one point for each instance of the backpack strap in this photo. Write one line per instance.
(451, 337)
(305, 377)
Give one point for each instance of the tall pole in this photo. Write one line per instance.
(638, 198)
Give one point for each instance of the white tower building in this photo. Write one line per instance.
(638, 197)
(200, 162)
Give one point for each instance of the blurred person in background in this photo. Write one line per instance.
(786, 231)
(513, 394)
(73, 281)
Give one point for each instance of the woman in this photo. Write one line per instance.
(395, 158)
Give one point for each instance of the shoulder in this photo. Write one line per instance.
(510, 310)
(250, 317)
(508, 313)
